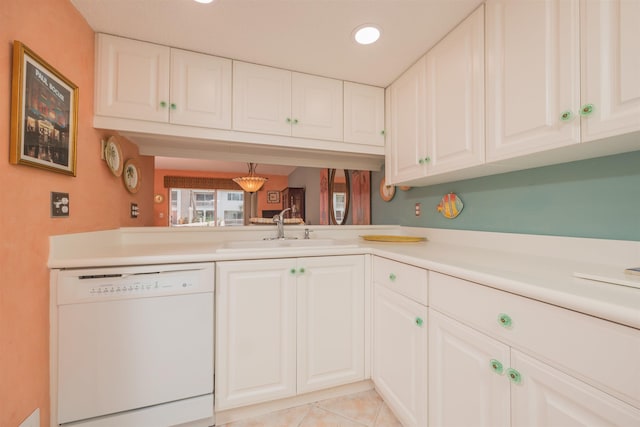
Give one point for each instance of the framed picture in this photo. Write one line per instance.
(273, 197)
(44, 114)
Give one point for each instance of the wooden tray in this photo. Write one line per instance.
(391, 238)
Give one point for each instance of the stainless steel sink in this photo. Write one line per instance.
(244, 245)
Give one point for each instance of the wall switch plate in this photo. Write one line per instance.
(418, 209)
(134, 210)
(59, 205)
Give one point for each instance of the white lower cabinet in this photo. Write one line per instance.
(288, 326)
(460, 376)
(500, 386)
(399, 356)
(509, 360)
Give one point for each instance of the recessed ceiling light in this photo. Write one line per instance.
(204, 1)
(366, 34)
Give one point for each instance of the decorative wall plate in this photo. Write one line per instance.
(387, 191)
(450, 206)
(131, 176)
(113, 156)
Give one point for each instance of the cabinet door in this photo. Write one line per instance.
(533, 71)
(400, 355)
(406, 148)
(317, 107)
(255, 332)
(455, 97)
(200, 90)
(610, 67)
(330, 321)
(261, 99)
(363, 114)
(547, 397)
(467, 385)
(132, 79)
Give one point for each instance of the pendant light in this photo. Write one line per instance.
(251, 183)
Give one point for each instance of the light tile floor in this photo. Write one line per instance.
(355, 410)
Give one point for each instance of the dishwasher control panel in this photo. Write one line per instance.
(76, 286)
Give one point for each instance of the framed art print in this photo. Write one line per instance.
(44, 114)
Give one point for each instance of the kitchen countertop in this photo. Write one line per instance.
(538, 267)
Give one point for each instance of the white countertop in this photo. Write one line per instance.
(538, 267)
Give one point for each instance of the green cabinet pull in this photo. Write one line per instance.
(382, 132)
(173, 106)
(295, 121)
(419, 321)
(163, 104)
(496, 366)
(427, 159)
(514, 376)
(288, 120)
(392, 277)
(505, 320)
(586, 110)
(301, 271)
(421, 161)
(292, 271)
(566, 116)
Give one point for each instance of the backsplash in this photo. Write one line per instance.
(596, 198)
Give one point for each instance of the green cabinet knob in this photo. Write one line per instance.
(566, 116)
(496, 366)
(419, 321)
(392, 277)
(421, 161)
(173, 106)
(288, 120)
(301, 271)
(382, 132)
(586, 110)
(163, 104)
(505, 320)
(514, 376)
(292, 271)
(427, 159)
(295, 121)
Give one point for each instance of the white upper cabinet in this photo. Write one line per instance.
(560, 72)
(363, 114)
(276, 101)
(200, 90)
(455, 98)
(406, 147)
(316, 107)
(533, 68)
(145, 81)
(132, 79)
(261, 99)
(437, 107)
(610, 67)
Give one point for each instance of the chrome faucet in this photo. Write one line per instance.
(279, 220)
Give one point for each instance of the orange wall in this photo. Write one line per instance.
(98, 200)
(161, 210)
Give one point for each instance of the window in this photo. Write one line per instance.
(200, 207)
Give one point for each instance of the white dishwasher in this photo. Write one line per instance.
(133, 346)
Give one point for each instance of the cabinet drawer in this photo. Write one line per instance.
(597, 351)
(405, 279)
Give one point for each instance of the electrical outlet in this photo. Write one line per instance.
(418, 209)
(33, 420)
(59, 205)
(134, 210)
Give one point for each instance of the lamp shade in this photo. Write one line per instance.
(251, 183)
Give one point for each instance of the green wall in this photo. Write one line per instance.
(598, 198)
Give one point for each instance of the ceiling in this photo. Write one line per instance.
(311, 36)
(177, 163)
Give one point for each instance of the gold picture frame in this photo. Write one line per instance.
(44, 114)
